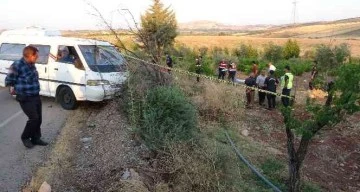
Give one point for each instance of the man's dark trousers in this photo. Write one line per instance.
(222, 74)
(32, 107)
(271, 101)
(286, 100)
(262, 96)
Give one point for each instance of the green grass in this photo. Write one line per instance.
(309, 187)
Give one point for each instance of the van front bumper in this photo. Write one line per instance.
(97, 93)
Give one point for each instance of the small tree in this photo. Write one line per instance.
(342, 53)
(345, 101)
(328, 57)
(273, 52)
(246, 51)
(158, 29)
(291, 49)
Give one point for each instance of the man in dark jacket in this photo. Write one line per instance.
(270, 85)
(23, 79)
(169, 62)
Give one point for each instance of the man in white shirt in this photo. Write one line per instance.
(271, 67)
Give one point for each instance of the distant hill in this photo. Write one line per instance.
(216, 26)
(345, 28)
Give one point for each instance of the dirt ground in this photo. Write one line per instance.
(95, 152)
(334, 155)
(333, 158)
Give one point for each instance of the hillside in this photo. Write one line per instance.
(216, 26)
(346, 28)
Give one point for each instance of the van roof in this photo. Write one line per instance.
(46, 37)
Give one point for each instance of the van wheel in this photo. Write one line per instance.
(67, 98)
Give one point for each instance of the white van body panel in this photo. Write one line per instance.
(55, 74)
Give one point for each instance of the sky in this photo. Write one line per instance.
(77, 14)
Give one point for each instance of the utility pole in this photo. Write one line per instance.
(294, 11)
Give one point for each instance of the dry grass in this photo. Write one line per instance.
(60, 158)
(215, 101)
(317, 30)
(258, 42)
(233, 41)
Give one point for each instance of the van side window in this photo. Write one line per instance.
(68, 54)
(44, 51)
(11, 52)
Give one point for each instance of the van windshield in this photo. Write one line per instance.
(104, 59)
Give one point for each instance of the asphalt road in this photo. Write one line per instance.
(16, 162)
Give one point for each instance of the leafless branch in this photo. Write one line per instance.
(108, 25)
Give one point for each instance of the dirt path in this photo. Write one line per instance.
(94, 153)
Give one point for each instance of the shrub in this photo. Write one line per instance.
(168, 117)
(203, 51)
(208, 67)
(309, 54)
(330, 58)
(245, 65)
(246, 51)
(342, 53)
(273, 52)
(291, 49)
(325, 56)
(297, 66)
(184, 51)
(217, 50)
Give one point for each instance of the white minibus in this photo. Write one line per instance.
(70, 69)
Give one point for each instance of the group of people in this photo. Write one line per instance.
(224, 67)
(264, 80)
(267, 84)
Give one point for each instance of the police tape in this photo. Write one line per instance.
(207, 77)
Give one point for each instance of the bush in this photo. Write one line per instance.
(291, 49)
(246, 51)
(217, 50)
(330, 58)
(203, 51)
(342, 53)
(245, 65)
(168, 117)
(309, 54)
(273, 52)
(297, 66)
(208, 67)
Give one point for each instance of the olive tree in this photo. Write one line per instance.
(343, 99)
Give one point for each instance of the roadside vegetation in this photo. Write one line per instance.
(183, 122)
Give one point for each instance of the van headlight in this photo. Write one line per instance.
(97, 82)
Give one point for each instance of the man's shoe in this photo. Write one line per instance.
(39, 142)
(27, 143)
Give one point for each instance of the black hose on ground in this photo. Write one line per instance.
(253, 169)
